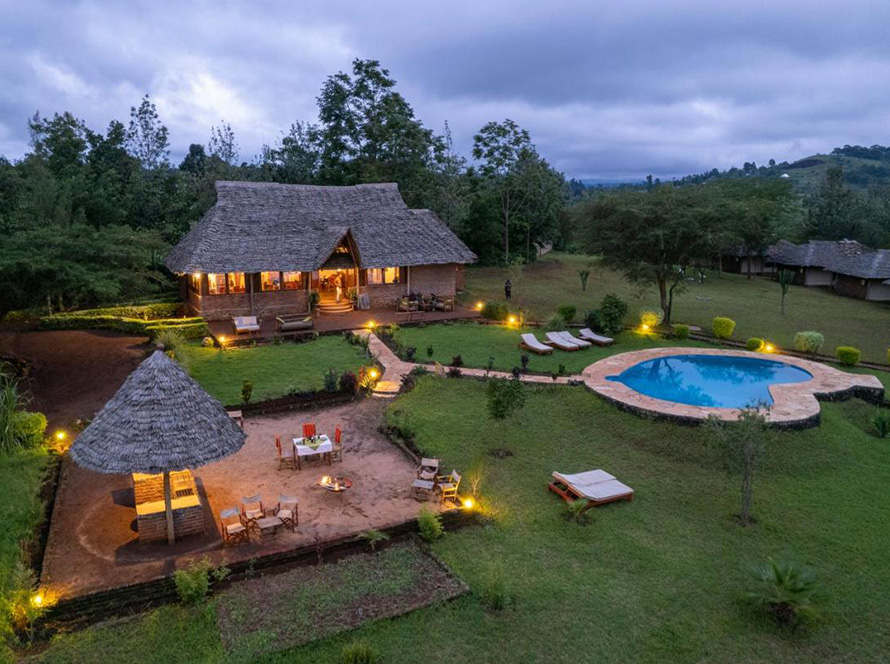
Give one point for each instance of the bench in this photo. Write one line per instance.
(294, 322)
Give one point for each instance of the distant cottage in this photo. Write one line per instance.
(263, 247)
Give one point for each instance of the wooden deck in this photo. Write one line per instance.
(332, 323)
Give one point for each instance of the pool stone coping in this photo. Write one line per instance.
(795, 405)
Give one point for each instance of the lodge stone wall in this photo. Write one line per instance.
(434, 279)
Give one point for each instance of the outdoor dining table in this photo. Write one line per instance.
(324, 448)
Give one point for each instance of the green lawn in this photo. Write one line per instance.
(273, 369)
(655, 580)
(21, 473)
(754, 305)
(477, 343)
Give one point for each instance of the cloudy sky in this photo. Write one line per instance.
(608, 89)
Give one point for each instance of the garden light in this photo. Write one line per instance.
(37, 600)
(480, 306)
(222, 340)
(468, 503)
(61, 435)
(374, 374)
(769, 348)
(512, 320)
(644, 327)
(371, 325)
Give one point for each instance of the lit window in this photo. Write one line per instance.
(216, 284)
(270, 281)
(195, 281)
(293, 280)
(375, 276)
(386, 275)
(237, 283)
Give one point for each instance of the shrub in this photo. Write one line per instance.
(610, 315)
(523, 359)
(650, 319)
(430, 524)
(207, 342)
(495, 311)
(246, 390)
(888, 356)
(410, 352)
(881, 422)
(348, 382)
(359, 653)
(723, 327)
(504, 397)
(754, 344)
(170, 338)
(188, 331)
(848, 355)
(142, 311)
(494, 591)
(576, 511)
(567, 312)
(429, 350)
(454, 372)
(785, 588)
(457, 361)
(681, 331)
(29, 428)
(373, 537)
(808, 342)
(331, 380)
(193, 584)
(556, 322)
(561, 369)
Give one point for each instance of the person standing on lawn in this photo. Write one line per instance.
(508, 288)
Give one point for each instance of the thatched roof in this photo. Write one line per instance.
(159, 420)
(866, 265)
(260, 226)
(846, 257)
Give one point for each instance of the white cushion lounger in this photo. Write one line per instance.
(568, 336)
(530, 342)
(246, 324)
(599, 340)
(554, 339)
(596, 486)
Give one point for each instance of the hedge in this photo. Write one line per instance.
(723, 327)
(808, 342)
(29, 428)
(134, 326)
(189, 331)
(155, 311)
(754, 344)
(495, 311)
(848, 355)
(681, 331)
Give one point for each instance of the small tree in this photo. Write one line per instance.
(584, 275)
(743, 443)
(786, 277)
(505, 397)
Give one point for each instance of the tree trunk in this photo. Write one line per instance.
(747, 496)
(748, 262)
(665, 300)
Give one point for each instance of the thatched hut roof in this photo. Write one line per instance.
(159, 420)
(264, 226)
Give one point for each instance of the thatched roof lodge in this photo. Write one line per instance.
(263, 247)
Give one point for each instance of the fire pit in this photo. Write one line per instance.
(335, 484)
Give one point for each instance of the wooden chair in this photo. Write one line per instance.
(422, 489)
(428, 469)
(233, 530)
(252, 510)
(337, 446)
(309, 430)
(287, 511)
(237, 417)
(287, 457)
(447, 485)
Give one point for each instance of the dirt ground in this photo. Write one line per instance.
(73, 373)
(93, 543)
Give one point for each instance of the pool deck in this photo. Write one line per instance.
(794, 404)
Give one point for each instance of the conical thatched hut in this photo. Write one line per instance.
(159, 421)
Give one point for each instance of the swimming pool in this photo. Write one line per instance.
(718, 381)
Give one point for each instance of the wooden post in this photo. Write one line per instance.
(250, 277)
(168, 507)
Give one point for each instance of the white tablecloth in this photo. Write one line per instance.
(304, 450)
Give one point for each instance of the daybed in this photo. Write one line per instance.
(597, 487)
(530, 342)
(599, 340)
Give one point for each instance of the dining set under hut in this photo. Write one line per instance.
(157, 427)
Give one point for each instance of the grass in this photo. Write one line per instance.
(21, 473)
(477, 343)
(273, 369)
(754, 305)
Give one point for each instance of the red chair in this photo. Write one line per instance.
(308, 430)
(337, 452)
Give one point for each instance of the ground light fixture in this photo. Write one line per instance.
(512, 320)
(371, 324)
(37, 600)
(373, 374)
(468, 503)
(480, 306)
(644, 327)
(768, 347)
(61, 435)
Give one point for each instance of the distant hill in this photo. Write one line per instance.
(862, 167)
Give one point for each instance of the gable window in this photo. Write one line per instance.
(270, 281)
(216, 284)
(384, 275)
(237, 282)
(293, 280)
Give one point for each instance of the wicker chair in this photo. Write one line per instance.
(252, 510)
(287, 457)
(288, 511)
(232, 528)
(447, 486)
(337, 447)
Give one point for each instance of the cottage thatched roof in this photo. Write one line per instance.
(846, 257)
(258, 226)
(866, 265)
(159, 420)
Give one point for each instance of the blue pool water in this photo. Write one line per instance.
(719, 381)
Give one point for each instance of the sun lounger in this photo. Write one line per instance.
(597, 487)
(599, 340)
(555, 339)
(530, 342)
(569, 337)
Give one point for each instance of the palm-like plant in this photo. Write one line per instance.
(373, 537)
(785, 588)
(576, 511)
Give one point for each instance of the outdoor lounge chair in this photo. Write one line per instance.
(288, 511)
(252, 510)
(554, 339)
(287, 458)
(447, 486)
(530, 342)
(245, 324)
(597, 487)
(568, 336)
(593, 337)
(233, 530)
